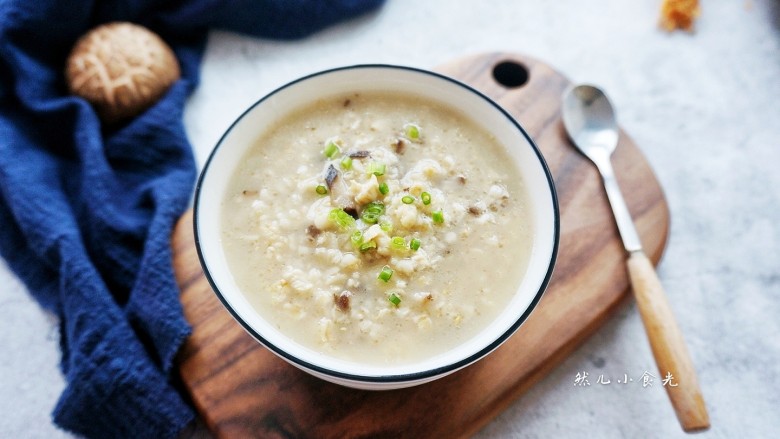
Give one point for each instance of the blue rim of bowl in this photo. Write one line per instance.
(400, 378)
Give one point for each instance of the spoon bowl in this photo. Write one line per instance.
(590, 120)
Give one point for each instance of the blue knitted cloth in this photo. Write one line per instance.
(86, 211)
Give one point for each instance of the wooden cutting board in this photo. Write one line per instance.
(243, 390)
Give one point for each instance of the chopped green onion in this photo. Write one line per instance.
(398, 243)
(370, 218)
(394, 298)
(384, 188)
(356, 238)
(321, 189)
(331, 148)
(385, 225)
(366, 246)
(375, 206)
(341, 219)
(412, 131)
(376, 168)
(372, 211)
(408, 199)
(426, 198)
(385, 274)
(346, 163)
(438, 216)
(414, 244)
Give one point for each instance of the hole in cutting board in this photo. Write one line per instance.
(510, 74)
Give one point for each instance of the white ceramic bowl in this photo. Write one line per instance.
(362, 78)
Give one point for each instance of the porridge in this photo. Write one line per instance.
(379, 228)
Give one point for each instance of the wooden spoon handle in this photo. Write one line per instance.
(668, 346)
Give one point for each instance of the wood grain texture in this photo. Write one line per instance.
(666, 340)
(243, 390)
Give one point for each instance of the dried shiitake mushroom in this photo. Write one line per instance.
(121, 69)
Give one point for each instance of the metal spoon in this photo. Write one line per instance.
(591, 124)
